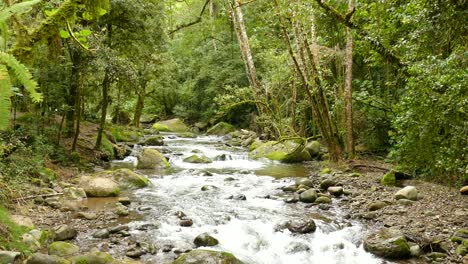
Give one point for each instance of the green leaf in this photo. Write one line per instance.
(5, 94)
(64, 34)
(102, 11)
(85, 32)
(82, 39)
(87, 16)
(49, 13)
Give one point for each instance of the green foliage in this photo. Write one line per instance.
(10, 233)
(431, 124)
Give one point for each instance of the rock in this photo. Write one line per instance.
(152, 159)
(102, 233)
(405, 202)
(460, 235)
(31, 241)
(73, 193)
(121, 210)
(87, 215)
(304, 181)
(313, 147)
(99, 186)
(325, 171)
(220, 129)
(308, 196)
(208, 187)
(388, 243)
(290, 188)
(134, 253)
(335, 190)
(64, 232)
(118, 228)
(323, 200)
(128, 179)
(389, 179)
(435, 256)
(180, 214)
(39, 258)
(207, 257)
(239, 197)
(464, 190)
(377, 205)
(205, 240)
(286, 151)
(301, 226)
(198, 159)
(63, 249)
(324, 184)
(95, 257)
(125, 200)
(186, 222)
(409, 192)
(22, 220)
(293, 199)
(7, 257)
(415, 250)
(156, 140)
(172, 125)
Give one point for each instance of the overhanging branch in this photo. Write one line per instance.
(196, 21)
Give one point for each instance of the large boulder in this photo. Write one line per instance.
(409, 193)
(207, 257)
(220, 129)
(287, 151)
(128, 179)
(96, 186)
(7, 257)
(152, 159)
(95, 257)
(39, 258)
(388, 243)
(313, 147)
(198, 159)
(63, 249)
(172, 125)
(73, 193)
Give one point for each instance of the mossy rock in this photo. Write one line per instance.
(207, 256)
(39, 258)
(389, 179)
(313, 147)
(281, 151)
(172, 125)
(93, 258)
(63, 249)
(461, 250)
(152, 159)
(187, 135)
(255, 144)
(128, 179)
(156, 140)
(198, 159)
(325, 171)
(220, 129)
(388, 243)
(96, 186)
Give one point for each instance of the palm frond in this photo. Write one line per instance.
(5, 94)
(22, 74)
(16, 9)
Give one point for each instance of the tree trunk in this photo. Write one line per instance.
(77, 118)
(105, 101)
(139, 109)
(349, 89)
(211, 7)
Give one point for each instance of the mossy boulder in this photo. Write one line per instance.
(96, 257)
(313, 147)
(63, 249)
(198, 159)
(388, 243)
(220, 129)
(39, 258)
(287, 152)
(152, 159)
(156, 140)
(172, 125)
(205, 240)
(96, 186)
(389, 179)
(187, 135)
(255, 144)
(128, 179)
(207, 257)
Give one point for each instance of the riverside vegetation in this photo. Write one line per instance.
(336, 119)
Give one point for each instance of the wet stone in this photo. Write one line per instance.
(293, 199)
(103, 233)
(118, 228)
(125, 201)
(302, 226)
(186, 222)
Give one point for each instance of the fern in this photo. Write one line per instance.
(5, 94)
(16, 9)
(22, 74)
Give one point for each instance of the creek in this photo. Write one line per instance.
(246, 228)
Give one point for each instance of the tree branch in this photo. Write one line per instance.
(196, 21)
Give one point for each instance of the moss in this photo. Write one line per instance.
(221, 128)
(325, 171)
(173, 125)
(129, 178)
(151, 159)
(187, 135)
(355, 175)
(255, 145)
(93, 258)
(461, 250)
(389, 179)
(62, 249)
(11, 234)
(107, 147)
(198, 159)
(124, 134)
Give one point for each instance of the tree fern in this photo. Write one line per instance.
(22, 74)
(5, 94)
(15, 9)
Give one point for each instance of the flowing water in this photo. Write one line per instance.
(246, 228)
